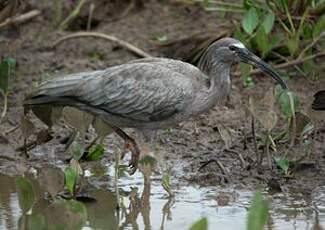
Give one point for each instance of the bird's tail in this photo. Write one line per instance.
(55, 91)
(319, 100)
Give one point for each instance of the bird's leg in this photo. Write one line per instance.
(133, 147)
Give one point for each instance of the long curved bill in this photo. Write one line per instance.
(250, 58)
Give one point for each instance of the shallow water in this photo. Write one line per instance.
(225, 208)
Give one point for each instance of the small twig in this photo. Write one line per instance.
(72, 15)
(242, 161)
(220, 165)
(21, 18)
(120, 42)
(5, 133)
(90, 17)
(287, 64)
(310, 45)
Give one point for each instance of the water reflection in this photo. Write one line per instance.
(25, 205)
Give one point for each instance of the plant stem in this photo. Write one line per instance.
(310, 45)
(117, 163)
(5, 106)
(72, 15)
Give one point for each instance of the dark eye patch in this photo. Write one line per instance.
(232, 47)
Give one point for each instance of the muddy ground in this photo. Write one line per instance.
(30, 44)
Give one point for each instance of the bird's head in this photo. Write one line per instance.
(231, 51)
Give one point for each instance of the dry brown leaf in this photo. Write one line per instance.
(225, 134)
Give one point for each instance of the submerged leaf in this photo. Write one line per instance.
(148, 160)
(258, 213)
(26, 193)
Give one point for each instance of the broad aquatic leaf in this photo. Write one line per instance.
(268, 22)
(201, 224)
(7, 68)
(76, 150)
(95, 153)
(36, 222)
(250, 20)
(26, 193)
(283, 164)
(258, 213)
(70, 176)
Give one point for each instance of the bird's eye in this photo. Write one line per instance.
(232, 48)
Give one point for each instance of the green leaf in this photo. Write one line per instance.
(262, 41)
(250, 20)
(36, 222)
(76, 150)
(201, 224)
(70, 176)
(289, 103)
(258, 213)
(293, 44)
(26, 193)
(268, 22)
(7, 68)
(319, 26)
(148, 160)
(283, 164)
(95, 153)
(166, 182)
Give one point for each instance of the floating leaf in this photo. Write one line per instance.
(201, 224)
(250, 20)
(26, 193)
(258, 213)
(7, 67)
(268, 22)
(70, 176)
(95, 153)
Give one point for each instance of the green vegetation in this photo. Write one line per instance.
(258, 213)
(7, 70)
(287, 32)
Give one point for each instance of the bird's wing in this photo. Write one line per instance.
(139, 91)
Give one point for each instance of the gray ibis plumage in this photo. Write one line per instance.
(151, 93)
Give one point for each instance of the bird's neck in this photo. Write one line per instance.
(216, 87)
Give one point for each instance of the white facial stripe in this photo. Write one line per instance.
(239, 45)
